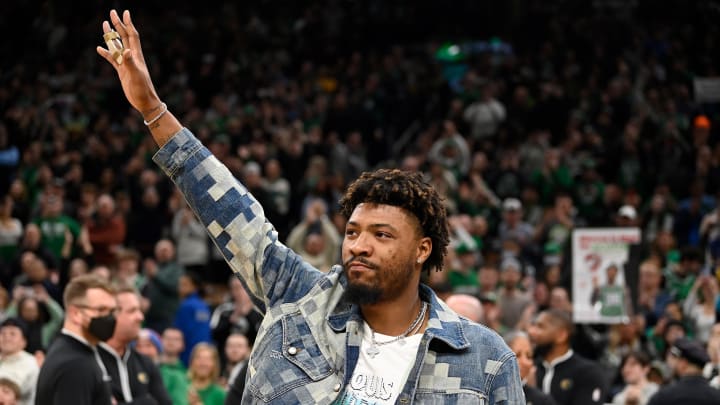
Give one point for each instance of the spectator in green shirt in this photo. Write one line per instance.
(54, 224)
(173, 343)
(204, 372)
(175, 380)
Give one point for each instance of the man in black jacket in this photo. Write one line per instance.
(567, 377)
(687, 359)
(72, 372)
(135, 379)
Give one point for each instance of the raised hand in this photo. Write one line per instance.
(133, 72)
(135, 79)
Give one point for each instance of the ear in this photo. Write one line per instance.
(74, 314)
(562, 336)
(424, 249)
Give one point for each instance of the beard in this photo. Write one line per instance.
(361, 294)
(384, 283)
(542, 350)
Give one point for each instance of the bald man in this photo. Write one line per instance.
(467, 306)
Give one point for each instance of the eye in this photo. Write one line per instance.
(350, 232)
(383, 235)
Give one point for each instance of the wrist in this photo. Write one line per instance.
(150, 122)
(152, 109)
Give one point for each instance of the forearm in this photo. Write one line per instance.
(164, 128)
(234, 219)
(56, 312)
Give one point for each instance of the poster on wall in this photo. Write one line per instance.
(600, 280)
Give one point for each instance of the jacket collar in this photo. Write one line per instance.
(444, 324)
(109, 349)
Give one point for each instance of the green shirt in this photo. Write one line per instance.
(53, 232)
(461, 282)
(176, 383)
(612, 300)
(178, 365)
(679, 287)
(213, 394)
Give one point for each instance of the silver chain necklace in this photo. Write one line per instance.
(373, 350)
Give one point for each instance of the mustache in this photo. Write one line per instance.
(362, 260)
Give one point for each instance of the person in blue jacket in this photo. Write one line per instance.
(193, 314)
(367, 330)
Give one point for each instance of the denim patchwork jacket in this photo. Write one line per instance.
(308, 344)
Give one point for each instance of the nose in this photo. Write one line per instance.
(360, 246)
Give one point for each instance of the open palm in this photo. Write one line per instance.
(133, 72)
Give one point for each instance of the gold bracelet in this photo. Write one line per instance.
(157, 117)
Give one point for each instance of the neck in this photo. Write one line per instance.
(640, 383)
(392, 318)
(201, 382)
(76, 329)
(7, 354)
(556, 351)
(117, 345)
(690, 371)
(169, 359)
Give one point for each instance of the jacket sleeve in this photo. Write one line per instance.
(76, 386)
(506, 388)
(236, 223)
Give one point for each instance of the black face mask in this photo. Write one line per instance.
(102, 327)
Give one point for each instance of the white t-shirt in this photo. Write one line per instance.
(380, 379)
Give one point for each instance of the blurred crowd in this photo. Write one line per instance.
(586, 118)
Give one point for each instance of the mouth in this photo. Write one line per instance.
(358, 263)
(357, 269)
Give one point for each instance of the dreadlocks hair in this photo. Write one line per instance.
(410, 192)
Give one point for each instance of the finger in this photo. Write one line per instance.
(119, 26)
(132, 32)
(105, 54)
(106, 27)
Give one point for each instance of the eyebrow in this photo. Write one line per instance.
(374, 226)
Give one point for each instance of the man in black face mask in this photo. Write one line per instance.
(567, 377)
(72, 372)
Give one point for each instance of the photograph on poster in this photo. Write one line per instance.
(600, 286)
